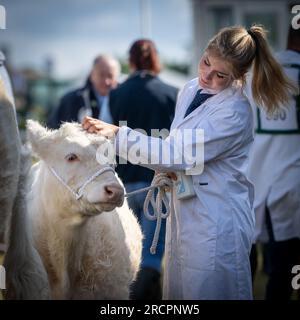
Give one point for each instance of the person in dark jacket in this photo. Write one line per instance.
(92, 99)
(144, 101)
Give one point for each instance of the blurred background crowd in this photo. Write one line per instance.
(49, 45)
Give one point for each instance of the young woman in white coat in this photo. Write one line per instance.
(209, 236)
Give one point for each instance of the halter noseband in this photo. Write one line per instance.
(79, 193)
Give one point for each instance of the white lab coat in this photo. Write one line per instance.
(275, 166)
(209, 237)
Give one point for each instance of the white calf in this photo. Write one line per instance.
(89, 240)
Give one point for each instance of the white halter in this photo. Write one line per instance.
(159, 182)
(79, 193)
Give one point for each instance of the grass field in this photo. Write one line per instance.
(260, 279)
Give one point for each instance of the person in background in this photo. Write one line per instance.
(275, 171)
(92, 99)
(144, 101)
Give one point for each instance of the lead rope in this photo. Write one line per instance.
(159, 182)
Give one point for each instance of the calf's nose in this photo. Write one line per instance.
(114, 192)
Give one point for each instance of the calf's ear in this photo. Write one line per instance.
(39, 137)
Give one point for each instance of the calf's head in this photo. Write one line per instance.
(70, 157)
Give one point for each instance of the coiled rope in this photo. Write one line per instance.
(160, 182)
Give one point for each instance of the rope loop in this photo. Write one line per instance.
(159, 183)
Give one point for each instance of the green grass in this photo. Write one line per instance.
(260, 281)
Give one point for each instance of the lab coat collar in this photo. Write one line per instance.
(209, 103)
(209, 91)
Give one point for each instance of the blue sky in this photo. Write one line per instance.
(74, 31)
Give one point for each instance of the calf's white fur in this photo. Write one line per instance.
(91, 247)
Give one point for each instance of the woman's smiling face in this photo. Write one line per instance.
(214, 73)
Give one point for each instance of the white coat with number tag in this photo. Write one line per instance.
(275, 163)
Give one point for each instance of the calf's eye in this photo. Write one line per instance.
(71, 157)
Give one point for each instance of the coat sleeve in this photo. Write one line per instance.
(218, 136)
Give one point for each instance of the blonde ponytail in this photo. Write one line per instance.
(243, 48)
(270, 86)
